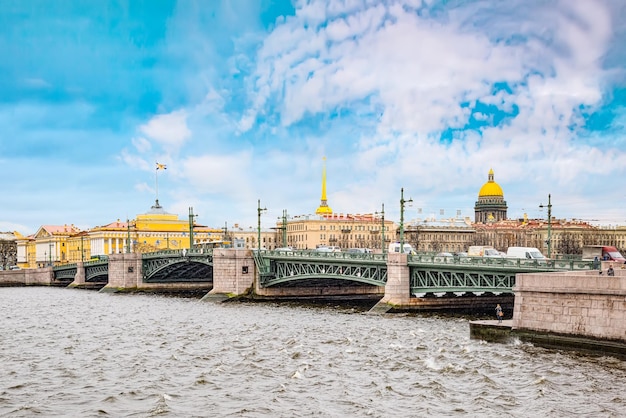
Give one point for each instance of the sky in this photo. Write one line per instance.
(248, 100)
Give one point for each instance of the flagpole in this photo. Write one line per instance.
(156, 182)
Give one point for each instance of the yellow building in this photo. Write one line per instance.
(152, 231)
(47, 247)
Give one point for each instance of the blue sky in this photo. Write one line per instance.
(242, 100)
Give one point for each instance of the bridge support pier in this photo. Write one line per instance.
(234, 271)
(79, 279)
(398, 286)
(125, 273)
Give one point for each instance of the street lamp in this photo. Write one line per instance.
(225, 229)
(382, 229)
(548, 241)
(191, 216)
(50, 253)
(284, 228)
(402, 202)
(127, 236)
(259, 211)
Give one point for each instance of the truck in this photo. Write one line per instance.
(483, 251)
(530, 253)
(603, 252)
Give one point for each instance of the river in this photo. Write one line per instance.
(79, 353)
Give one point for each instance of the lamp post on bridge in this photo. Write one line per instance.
(284, 227)
(259, 211)
(382, 229)
(549, 240)
(127, 236)
(402, 203)
(191, 216)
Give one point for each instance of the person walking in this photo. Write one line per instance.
(610, 271)
(499, 313)
(596, 263)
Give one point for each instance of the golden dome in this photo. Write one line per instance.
(491, 188)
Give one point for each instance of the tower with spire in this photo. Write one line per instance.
(324, 209)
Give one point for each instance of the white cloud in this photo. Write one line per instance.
(170, 130)
(134, 161)
(141, 144)
(419, 71)
(218, 174)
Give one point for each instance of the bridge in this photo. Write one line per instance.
(400, 278)
(429, 274)
(170, 266)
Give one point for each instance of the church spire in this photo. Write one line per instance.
(324, 209)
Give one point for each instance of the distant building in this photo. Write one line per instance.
(250, 237)
(338, 229)
(152, 231)
(490, 206)
(334, 229)
(440, 235)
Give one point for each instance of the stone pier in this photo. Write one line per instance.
(583, 311)
(234, 273)
(79, 279)
(575, 304)
(27, 277)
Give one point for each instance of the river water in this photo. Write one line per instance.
(79, 353)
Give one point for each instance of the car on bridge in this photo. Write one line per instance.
(445, 255)
(285, 250)
(359, 251)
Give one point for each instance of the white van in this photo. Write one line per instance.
(394, 247)
(530, 253)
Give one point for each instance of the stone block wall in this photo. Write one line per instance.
(125, 271)
(27, 277)
(398, 286)
(584, 304)
(234, 271)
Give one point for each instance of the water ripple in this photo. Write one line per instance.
(79, 353)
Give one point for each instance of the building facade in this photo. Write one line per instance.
(152, 231)
(306, 232)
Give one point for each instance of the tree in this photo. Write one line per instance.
(8, 253)
(569, 244)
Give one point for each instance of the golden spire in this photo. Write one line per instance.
(324, 209)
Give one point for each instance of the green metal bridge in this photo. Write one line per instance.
(429, 274)
(171, 266)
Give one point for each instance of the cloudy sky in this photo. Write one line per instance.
(243, 99)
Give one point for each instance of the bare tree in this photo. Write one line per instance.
(8, 253)
(569, 244)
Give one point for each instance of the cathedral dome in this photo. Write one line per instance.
(491, 188)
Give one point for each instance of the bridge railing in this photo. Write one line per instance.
(505, 262)
(67, 266)
(312, 254)
(178, 253)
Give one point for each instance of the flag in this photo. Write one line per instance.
(161, 166)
